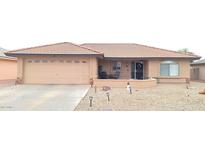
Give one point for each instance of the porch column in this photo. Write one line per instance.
(93, 68)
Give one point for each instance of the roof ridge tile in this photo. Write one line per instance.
(39, 46)
(48, 45)
(164, 49)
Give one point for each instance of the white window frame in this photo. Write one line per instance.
(169, 64)
(116, 66)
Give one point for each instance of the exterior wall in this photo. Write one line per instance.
(91, 66)
(8, 69)
(172, 80)
(200, 74)
(146, 70)
(20, 67)
(194, 73)
(184, 71)
(151, 70)
(123, 83)
(125, 68)
(125, 72)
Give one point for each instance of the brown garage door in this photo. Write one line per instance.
(56, 71)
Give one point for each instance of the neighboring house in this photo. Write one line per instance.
(198, 70)
(8, 66)
(101, 64)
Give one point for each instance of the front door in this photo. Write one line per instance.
(137, 70)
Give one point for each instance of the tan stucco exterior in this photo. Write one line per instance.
(57, 69)
(123, 83)
(184, 71)
(125, 68)
(8, 69)
(198, 72)
(68, 63)
(73, 71)
(154, 68)
(151, 70)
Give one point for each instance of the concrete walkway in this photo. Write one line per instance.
(41, 97)
(4, 83)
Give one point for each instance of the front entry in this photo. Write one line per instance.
(137, 70)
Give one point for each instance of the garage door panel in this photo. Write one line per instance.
(56, 72)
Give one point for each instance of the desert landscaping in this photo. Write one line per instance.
(163, 97)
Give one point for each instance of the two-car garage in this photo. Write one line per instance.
(61, 70)
(60, 63)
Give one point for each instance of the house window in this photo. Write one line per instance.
(44, 61)
(116, 66)
(68, 61)
(84, 62)
(76, 61)
(52, 61)
(37, 61)
(169, 68)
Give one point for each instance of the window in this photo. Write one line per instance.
(76, 61)
(37, 61)
(84, 62)
(68, 61)
(52, 61)
(169, 68)
(29, 61)
(116, 66)
(44, 61)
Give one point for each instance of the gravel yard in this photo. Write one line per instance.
(163, 97)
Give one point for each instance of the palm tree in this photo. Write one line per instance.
(185, 51)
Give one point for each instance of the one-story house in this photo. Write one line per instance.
(8, 67)
(101, 64)
(198, 70)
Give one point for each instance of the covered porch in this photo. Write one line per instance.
(118, 73)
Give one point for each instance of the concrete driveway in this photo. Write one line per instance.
(41, 97)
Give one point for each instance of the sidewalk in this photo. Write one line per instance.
(7, 82)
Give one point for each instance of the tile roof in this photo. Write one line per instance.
(109, 50)
(3, 56)
(198, 62)
(128, 50)
(58, 48)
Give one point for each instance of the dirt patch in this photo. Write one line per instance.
(163, 97)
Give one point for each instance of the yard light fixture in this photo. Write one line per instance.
(108, 96)
(91, 101)
(129, 88)
(91, 82)
(95, 88)
(187, 86)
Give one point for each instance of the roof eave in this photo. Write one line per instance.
(8, 58)
(46, 54)
(197, 63)
(114, 57)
